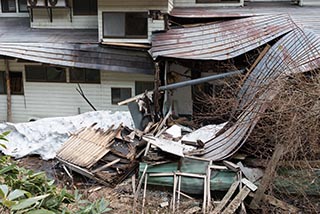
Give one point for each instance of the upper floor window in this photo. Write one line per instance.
(217, 1)
(38, 73)
(125, 25)
(85, 7)
(9, 6)
(16, 83)
(82, 75)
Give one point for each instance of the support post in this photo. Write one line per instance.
(9, 103)
(156, 94)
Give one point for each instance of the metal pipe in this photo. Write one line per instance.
(200, 80)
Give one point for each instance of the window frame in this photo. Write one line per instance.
(46, 74)
(112, 98)
(124, 27)
(138, 82)
(217, 1)
(91, 11)
(19, 7)
(2, 73)
(85, 74)
(15, 3)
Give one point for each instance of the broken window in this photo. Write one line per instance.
(125, 25)
(8, 6)
(38, 73)
(217, 1)
(82, 75)
(16, 83)
(142, 86)
(87, 7)
(120, 94)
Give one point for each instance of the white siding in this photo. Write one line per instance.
(309, 2)
(61, 99)
(61, 19)
(133, 6)
(192, 3)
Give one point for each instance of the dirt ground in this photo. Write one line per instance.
(120, 197)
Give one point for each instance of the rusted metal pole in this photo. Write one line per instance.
(9, 103)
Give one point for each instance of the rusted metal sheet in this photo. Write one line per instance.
(222, 40)
(298, 51)
(91, 56)
(307, 17)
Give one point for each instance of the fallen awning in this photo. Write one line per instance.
(91, 56)
(221, 40)
(298, 51)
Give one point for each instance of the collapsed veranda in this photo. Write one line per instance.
(171, 41)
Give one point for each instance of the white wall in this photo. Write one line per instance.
(133, 6)
(61, 99)
(61, 19)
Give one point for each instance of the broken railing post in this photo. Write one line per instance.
(268, 175)
(9, 103)
(156, 94)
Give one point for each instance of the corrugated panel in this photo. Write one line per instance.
(298, 51)
(87, 147)
(81, 55)
(222, 40)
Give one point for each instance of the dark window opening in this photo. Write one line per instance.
(82, 75)
(125, 25)
(23, 6)
(38, 73)
(16, 83)
(85, 7)
(120, 94)
(142, 86)
(8, 6)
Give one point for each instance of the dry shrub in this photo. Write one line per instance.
(292, 119)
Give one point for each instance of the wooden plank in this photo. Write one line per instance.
(226, 198)
(232, 166)
(106, 165)
(267, 177)
(281, 204)
(8, 83)
(236, 202)
(249, 184)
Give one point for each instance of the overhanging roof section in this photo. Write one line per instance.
(222, 40)
(90, 56)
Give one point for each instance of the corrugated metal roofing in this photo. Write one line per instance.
(222, 40)
(81, 55)
(306, 16)
(298, 51)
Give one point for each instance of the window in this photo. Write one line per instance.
(85, 7)
(125, 25)
(16, 83)
(8, 6)
(217, 1)
(120, 94)
(142, 86)
(38, 73)
(81, 75)
(23, 6)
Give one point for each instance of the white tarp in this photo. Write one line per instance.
(44, 137)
